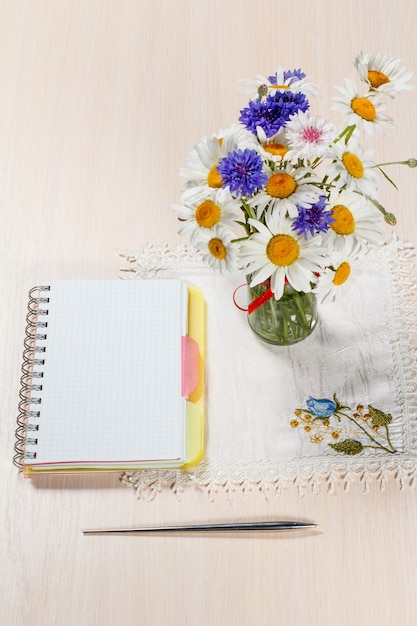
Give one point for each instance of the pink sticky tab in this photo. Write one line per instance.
(190, 369)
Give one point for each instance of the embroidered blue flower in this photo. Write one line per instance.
(242, 173)
(321, 408)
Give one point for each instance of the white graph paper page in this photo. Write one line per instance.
(111, 389)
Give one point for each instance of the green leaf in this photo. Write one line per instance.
(379, 418)
(348, 446)
(340, 406)
(349, 133)
(388, 178)
(240, 223)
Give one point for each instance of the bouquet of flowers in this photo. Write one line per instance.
(286, 195)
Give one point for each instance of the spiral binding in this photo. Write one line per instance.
(32, 374)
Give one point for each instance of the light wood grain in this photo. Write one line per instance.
(99, 103)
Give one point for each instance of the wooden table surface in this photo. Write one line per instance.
(100, 101)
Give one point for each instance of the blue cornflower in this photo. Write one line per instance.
(241, 172)
(296, 74)
(273, 112)
(313, 219)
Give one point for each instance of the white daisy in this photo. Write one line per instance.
(354, 167)
(201, 164)
(264, 85)
(338, 277)
(220, 251)
(275, 252)
(215, 208)
(355, 220)
(367, 111)
(309, 136)
(238, 134)
(286, 188)
(382, 73)
(272, 149)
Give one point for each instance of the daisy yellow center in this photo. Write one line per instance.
(353, 164)
(282, 250)
(220, 140)
(217, 248)
(207, 214)
(377, 78)
(364, 108)
(342, 274)
(279, 87)
(281, 185)
(214, 178)
(344, 222)
(277, 149)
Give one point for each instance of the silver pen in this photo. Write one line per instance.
(226, 527)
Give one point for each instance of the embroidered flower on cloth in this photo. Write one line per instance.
(346, 430)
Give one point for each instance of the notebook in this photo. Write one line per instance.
(112, 377)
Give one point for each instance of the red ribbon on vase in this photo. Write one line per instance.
(264, 297)
(255, 304)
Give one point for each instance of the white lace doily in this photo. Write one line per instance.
(259, 430)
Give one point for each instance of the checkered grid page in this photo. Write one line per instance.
(112, 374)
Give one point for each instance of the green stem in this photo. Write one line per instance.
(300, 309)
(378, 447)
(317, 161)
(273, 310)
(389, 439)
(286, 321)
(249, 213)
(409, 162)
(366, 433)
(239, 239)
(388, 217)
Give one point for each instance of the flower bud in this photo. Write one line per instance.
(262, 91)
(390, 219)
(412, 162)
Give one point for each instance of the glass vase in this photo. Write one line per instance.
(286, 321)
